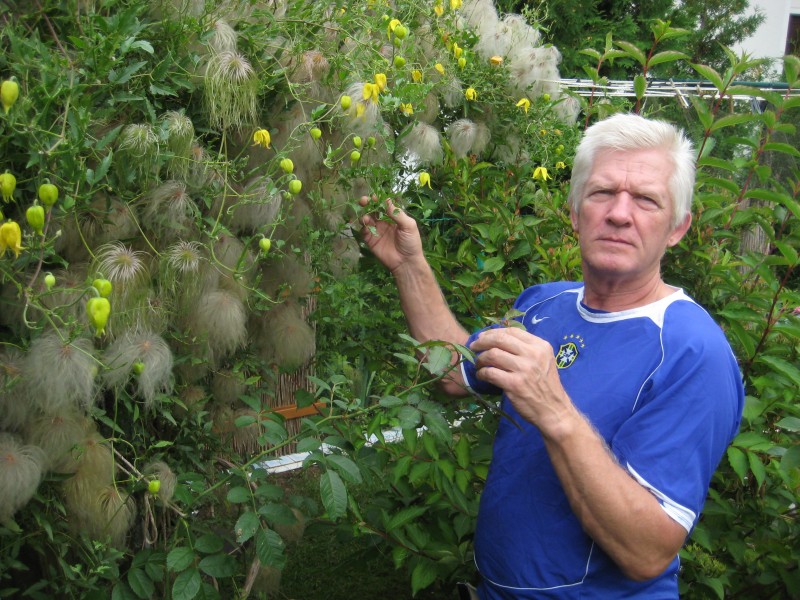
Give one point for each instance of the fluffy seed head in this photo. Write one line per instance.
(138, 140)
(424, 144)
(223, 37)
(462, 134)
(231, 87)
(120, 264)
(160, 470)
(286, 340)
(257, 206)
(185, 257)
(312, 66)
(169, 211)
(60, 375)
(109, 515)
(226, 387)
(147, 349)
(15, 405)
(220, 318)
(57, 435)
(21, 469)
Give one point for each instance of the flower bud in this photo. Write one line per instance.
(98, 310)
(49, 281)
(9, 92)
(265, 244)
(295, 185)
(10, 238)
(346, 101)
(35, 217)
(8, 183)
(48, 194)
(287, 165)
(315, 132)
(355, 156)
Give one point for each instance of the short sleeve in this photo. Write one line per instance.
(685, 419)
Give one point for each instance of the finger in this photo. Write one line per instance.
(510, 339)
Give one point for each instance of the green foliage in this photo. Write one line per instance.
(164, 125)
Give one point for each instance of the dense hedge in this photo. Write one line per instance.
(197, 259)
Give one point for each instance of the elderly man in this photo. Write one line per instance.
(626, 391)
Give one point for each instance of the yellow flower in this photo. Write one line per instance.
(439, 10)
(456, 4)
(425, 179)
(496, 60)
(416, 75)
(560, 165)
(360, 108)
(380, 81)
(406, 109)
(371, 91)
(524, 104)
(392, 25)
(457, 50)
(10, 238)
(541, 174)
(261, 138)
(471, 94)
(439, 68)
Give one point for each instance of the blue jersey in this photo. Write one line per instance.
(661, 386)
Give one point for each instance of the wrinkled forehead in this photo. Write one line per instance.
(649, 168)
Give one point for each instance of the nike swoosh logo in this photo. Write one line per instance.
(536, 320)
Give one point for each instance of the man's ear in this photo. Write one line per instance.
(573, 216)
(680, 230)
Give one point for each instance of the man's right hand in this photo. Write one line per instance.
(394, 243)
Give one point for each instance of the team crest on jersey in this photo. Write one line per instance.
(569, 351)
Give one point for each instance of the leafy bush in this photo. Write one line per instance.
(200, 265)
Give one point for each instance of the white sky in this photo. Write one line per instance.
(770, 39)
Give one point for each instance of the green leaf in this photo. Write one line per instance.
(239, 495)
(277, 514)
(246, 526)
(666, 56)
(738, 461)
(180, 558)
(783, 148)
(781, 366)
(125, 75)
(422, 576)
(219, 565)
(186, 585)
(757, 468)
(731, 120)
(437, 359)
(493, 264)
(438, 426)
(408, 417)
(391, 401)
(140, 583)
(634, 52)
(790, 424)
(270, 548)
(121, 591)
(333, 494)
(345, 467)
(791, 459)
(405, 516)
(710, 74)
(105, 164)
(209, 543)
(752, 440)
(639, 86)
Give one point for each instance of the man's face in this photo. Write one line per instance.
(624, 220)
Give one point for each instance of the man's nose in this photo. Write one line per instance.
(620, 208)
